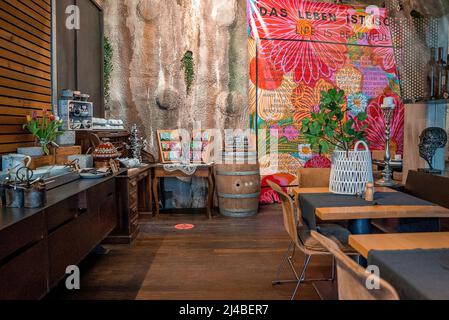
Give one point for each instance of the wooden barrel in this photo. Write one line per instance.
(240, 157)
(238, 189)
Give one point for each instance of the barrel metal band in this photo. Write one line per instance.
(242, 173)
(238, 196)
(238, 213)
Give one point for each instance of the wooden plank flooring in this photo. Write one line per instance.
(220, 259)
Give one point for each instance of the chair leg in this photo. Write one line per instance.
(303, 275)
(334, 266)
(288, 255)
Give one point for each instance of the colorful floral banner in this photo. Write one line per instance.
(298, 49)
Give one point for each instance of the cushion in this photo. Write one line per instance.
(333, 231)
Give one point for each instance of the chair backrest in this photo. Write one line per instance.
(428, 187)
(314, 177)
(291, 219)
(352, 278)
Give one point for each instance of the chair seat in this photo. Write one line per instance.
(334, 231)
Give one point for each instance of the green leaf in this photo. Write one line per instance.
(324, 146)
(362, 116)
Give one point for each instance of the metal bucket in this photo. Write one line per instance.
(34, 198)
(2, 195)
(14, 198)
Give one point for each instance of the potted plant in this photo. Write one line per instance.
(45, 130)
(341, 131)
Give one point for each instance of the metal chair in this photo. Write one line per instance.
(352, 278)
(300, 238)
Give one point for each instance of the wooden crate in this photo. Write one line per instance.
(42, 161)
(62, 153)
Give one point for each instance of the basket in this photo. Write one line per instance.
(351, 171)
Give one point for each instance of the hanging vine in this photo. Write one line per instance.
(188, 65)
(108, 67)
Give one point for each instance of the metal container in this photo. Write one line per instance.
(2, 195)
(35, 198)
(31, 151)
(66, 94)
(68, 138)
(86, 161)
(14, 161)
(14, 198)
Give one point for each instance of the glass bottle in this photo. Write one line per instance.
(446, 79)
(431, 69)
(440, 81)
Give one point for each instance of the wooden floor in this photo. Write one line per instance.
(219, 259)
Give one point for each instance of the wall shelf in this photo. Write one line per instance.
(427, 101)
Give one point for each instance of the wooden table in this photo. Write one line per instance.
(399, 241)
(202, 171)
(373, 212)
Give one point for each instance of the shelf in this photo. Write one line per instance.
(434, 101)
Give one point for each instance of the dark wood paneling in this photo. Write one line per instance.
(25, 67)
(30, 273)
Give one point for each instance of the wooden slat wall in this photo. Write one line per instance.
(25, 67)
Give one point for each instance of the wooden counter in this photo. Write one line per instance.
(36, 245)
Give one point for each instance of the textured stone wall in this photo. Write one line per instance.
(150, 37)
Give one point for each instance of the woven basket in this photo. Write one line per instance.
(351, 170)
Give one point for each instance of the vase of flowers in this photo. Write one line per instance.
(45, 130)
(334, 128)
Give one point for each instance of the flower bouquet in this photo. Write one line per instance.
(45, 130)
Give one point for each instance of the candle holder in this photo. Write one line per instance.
(388, 112)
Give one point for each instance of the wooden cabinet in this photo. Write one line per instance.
(24, 260)
(102, 206)
(64, 250)
(133, 196)
(94, 218)
(36, 246)
(25, 276)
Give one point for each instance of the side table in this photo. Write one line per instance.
(202, 171)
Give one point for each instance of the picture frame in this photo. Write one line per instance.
(114, 167)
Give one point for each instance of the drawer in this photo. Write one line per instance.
(25, 276)
(22, 234)
(61, 213)
(64, 250)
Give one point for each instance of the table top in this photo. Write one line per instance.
(399, 241)
(10, 216)
(132, 172)
(298, 191)
(374, 211)
(415, 274)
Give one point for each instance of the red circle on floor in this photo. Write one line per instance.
(184, 226)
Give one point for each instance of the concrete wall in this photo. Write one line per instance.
(150, 37)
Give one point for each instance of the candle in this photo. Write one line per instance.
(389, 103)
